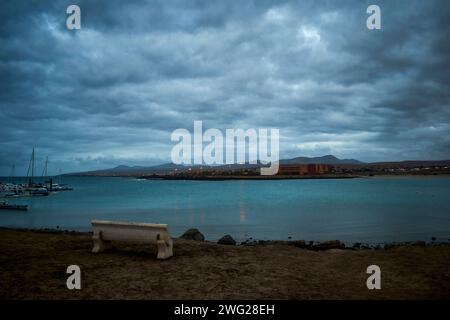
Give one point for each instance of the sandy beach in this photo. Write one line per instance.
(33, 266)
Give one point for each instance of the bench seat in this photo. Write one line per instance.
(107, 231)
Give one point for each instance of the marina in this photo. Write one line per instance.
(32, 186)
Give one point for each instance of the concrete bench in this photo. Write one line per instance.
(107, 231)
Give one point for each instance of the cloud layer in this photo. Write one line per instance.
(112, 92)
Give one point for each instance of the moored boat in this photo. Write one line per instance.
(38, 191)
(60, 187)
(8, 206)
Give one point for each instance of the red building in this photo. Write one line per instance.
(303, 169)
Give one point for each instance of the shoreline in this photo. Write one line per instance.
(314, 245)
(275, 177)
(227, 178)
(33, 266)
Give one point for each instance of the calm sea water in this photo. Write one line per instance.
(353, 210)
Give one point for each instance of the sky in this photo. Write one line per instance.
(112, 92)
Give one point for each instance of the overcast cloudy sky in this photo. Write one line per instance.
(112, 92)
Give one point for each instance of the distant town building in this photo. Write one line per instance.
(303, 169)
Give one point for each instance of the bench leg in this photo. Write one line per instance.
(165, 249)
(100, 244)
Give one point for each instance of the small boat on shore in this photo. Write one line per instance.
(7, 206)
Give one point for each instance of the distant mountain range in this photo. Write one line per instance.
(328, 159)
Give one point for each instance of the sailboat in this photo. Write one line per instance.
(49, 183)
(33, 188)
(11, 189)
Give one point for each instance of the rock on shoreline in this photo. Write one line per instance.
(227, 240)
(193, 234)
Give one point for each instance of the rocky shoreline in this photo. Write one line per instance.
(195, 235)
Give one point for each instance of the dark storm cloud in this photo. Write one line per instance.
(113, 91)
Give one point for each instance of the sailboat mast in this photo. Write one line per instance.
(31, 168)
(32, 165)
(45, 171)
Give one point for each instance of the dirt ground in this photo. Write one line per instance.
(33, 266)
